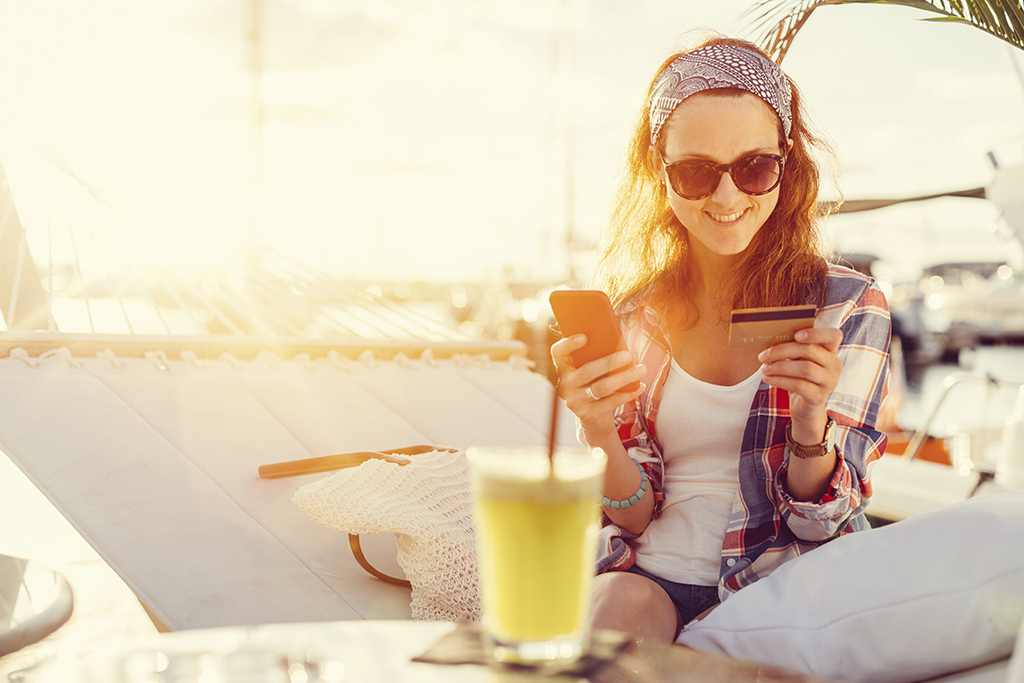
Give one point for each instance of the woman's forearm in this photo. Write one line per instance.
(621, 480)
(807, 479)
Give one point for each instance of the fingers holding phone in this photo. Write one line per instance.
(595, 390)
(615, 373)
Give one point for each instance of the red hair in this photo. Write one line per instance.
(643, 252)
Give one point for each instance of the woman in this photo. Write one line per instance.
(726, 462)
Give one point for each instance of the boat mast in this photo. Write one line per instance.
(255, 67)
(23, 303)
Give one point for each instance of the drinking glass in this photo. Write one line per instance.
(536, 534)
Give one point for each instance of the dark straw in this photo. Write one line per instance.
(551, 431)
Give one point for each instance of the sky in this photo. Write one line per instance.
(416, 139)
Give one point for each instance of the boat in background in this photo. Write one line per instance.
(966, 289)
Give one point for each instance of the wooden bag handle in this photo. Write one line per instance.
(357, 550)
(329, 463)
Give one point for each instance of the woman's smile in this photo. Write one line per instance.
(727, 218)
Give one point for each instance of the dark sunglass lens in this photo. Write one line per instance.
(758, 174)
(694, 180)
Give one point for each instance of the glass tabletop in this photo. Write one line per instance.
(34, 602)
(359, 651)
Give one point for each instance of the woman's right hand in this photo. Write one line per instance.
(595, 409)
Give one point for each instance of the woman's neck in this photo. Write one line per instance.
(700, 337)
(713, 279)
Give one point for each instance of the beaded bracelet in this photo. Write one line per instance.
(632, 500)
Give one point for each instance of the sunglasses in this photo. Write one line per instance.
(754, 175)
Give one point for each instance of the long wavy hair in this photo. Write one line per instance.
(643, 252)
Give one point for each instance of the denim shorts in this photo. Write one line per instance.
(689, 600)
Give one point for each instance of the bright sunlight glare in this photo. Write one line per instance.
(455, 140)
(169, 134)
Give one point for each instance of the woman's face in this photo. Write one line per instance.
(721, 129)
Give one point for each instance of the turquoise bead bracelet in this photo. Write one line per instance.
(632, 500)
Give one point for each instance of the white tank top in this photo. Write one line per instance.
(700, 428)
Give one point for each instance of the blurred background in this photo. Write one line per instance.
(294, 167)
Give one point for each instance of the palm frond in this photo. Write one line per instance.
(779, 21)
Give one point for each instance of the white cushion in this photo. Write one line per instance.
(1015, 669)
(926, 596)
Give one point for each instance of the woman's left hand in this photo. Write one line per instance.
(808, 369)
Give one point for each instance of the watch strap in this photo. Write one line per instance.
(814, 450)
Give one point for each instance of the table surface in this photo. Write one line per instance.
(370, 651)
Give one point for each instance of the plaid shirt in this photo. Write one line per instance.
(767, 526)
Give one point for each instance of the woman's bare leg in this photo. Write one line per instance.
(636, 605)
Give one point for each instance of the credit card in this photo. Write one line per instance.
(763, 327)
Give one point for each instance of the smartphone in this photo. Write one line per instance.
(588, 311)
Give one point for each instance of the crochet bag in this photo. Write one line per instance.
(427, 503)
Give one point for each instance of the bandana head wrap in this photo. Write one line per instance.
(719, 66)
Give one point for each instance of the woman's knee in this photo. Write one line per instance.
(633, 603)
(627, 589)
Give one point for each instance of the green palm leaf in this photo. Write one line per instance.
(778, 21)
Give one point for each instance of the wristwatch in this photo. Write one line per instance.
(815, 450)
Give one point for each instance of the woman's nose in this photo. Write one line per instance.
(726, 193)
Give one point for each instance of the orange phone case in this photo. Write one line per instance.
(588, 311)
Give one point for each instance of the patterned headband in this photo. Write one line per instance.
(719, 66)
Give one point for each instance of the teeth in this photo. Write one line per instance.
(727, 218)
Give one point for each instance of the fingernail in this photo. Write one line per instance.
(763, 369)
(763, 356)
(579, 338)
(801, 335)
(642, 368)
(623, 356)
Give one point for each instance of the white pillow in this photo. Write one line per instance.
(929, 595)
(1015, 668)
